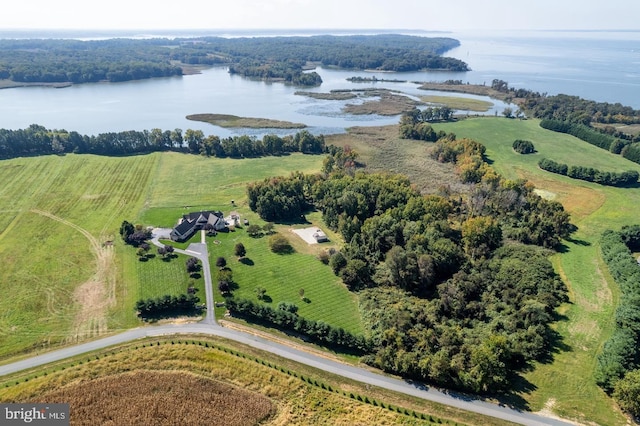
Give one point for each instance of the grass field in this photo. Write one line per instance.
(566, 385)
(158, 277)
(173, 368)
(60, 279)
(327, 299)
(64, 283)
(381, 149)
(459, 103)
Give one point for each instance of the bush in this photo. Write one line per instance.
(553, 167)
(523, 147)
(279, 244)
(627, 393)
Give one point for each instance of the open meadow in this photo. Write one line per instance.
(173, 380)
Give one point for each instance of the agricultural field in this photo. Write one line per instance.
(59, 268)
(67, 272)
(178, 381)
(567, 384)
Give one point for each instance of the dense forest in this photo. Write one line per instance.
(75, 61)
(38, 140)
(456, 291)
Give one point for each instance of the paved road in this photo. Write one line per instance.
(209, 327)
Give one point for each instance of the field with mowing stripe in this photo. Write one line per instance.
(63, 279)
(169, 276)
(57, 276)
(283, 275)
(566, 385)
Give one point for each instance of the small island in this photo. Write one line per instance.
(233, 121)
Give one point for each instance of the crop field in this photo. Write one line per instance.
(567, 384)
(176, 381)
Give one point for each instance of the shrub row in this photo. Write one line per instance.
(167, 305)
(632, 152)
(621, 353)
(317, 331)
(590, 174)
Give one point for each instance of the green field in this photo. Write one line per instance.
(327, 299)
(566, 385)
(158, 277)
(67, 274)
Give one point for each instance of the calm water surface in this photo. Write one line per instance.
(603, 66)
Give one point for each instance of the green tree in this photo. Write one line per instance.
(279, 244)
(355, 274)
(240, 250)
(337, 261)
(627, 393)
(221, 262)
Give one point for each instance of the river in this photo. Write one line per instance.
(595, 65)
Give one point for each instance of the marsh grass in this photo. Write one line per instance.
(233, 121)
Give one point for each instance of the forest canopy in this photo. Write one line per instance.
(284, 58)
(453, 291)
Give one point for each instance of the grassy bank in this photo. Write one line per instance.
(459, 103)
(233, 121)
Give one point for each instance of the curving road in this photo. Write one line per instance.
(209, 327)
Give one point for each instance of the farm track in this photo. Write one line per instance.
(96, 295)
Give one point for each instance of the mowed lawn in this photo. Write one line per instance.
(211, 183)
(158, 276)
(567, 385)
(284, 275)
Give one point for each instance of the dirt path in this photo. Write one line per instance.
(97, 294)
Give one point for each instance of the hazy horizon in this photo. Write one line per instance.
(326, 15)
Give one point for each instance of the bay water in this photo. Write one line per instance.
(600, 65)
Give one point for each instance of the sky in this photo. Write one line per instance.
(429, 15)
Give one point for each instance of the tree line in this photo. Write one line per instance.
(453, 290)
(572, 109)
(285, 317)
(589, 174)
(38, 140)
(76, 61)
(618, 364)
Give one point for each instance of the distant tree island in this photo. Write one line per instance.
(287, 59)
